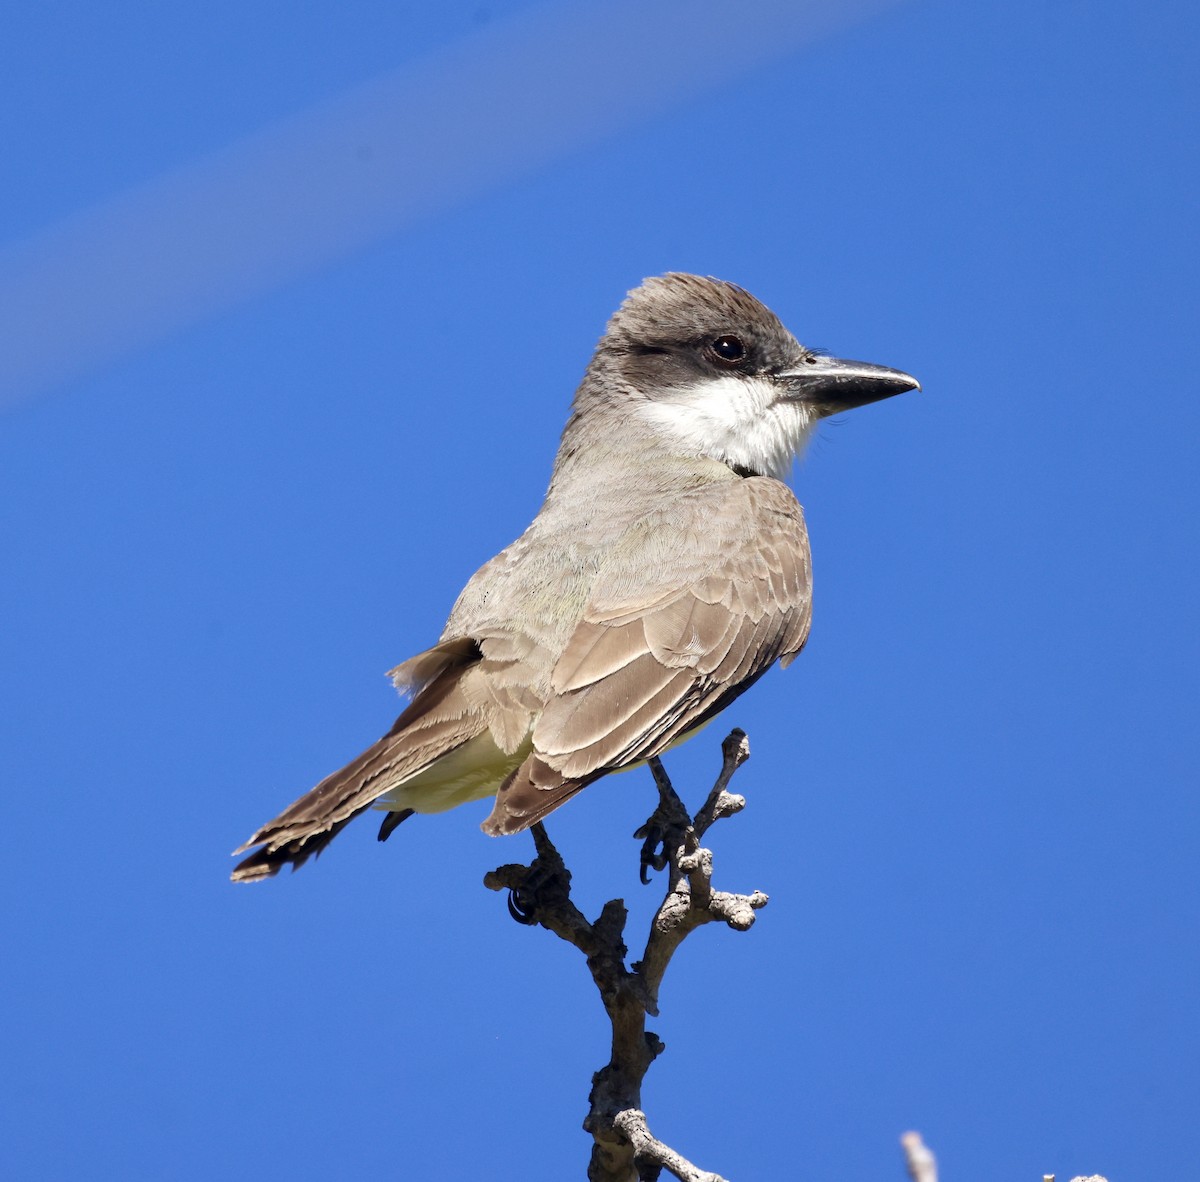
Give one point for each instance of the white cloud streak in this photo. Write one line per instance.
(304, 192)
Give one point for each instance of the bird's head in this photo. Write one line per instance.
(714, 373)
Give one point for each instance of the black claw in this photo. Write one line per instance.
(653, 856)
(520, 910)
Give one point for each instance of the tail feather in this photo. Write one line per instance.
(436, 721)
(391, 821)
(267, 861)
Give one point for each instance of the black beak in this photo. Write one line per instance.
(831, 385)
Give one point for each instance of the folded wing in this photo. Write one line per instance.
(692, 607)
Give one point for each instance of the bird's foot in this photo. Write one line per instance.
(666, 829)
(544, 884)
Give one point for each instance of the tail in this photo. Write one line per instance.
(436, 722)
(268, 861)
(306, 827)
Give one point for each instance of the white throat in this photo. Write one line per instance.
(740, 421)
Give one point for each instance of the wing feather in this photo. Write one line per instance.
(595, 653)
(697, 602)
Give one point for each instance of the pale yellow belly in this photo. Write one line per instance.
(470, 772)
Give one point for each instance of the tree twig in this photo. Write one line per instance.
(651, 1154)
(922, 1166)
(624, 1150)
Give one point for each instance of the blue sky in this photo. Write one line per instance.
(237, 492)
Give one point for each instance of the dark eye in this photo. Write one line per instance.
(729, 348)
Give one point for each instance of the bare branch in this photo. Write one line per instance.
(624, 1149)
(735, 750)
(649, 1151)
(690, 900)
(922, 1166)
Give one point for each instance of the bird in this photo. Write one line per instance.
(667, 570)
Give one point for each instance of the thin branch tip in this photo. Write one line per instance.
(922, 1165)
(649, 1151)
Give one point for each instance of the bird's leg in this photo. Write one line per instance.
(540, 894)
(544, 883)
(691, 899)
(667, 826)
